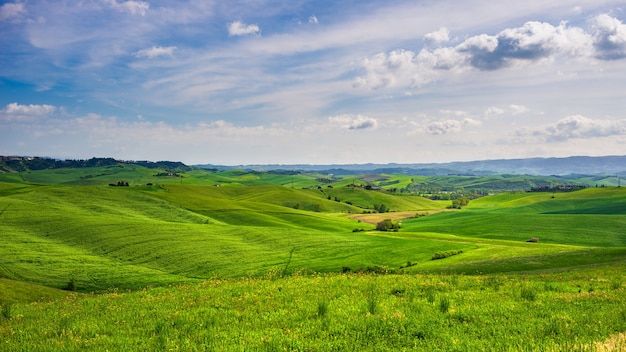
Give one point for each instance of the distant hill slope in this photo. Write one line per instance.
(19, 164)
(575, 165)
(584, 165)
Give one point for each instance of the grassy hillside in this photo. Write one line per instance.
(575, 311)
(131, 237)
(591, 217)
(251, 260)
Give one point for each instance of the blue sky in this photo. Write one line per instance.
(318, 82)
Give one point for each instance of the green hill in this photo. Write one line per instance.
(68, 224)
(264, 261)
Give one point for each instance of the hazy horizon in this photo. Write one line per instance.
(283, 82)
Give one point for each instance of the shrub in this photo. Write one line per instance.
(387, 225)
(71, 285)
(322, 308)
(444, 304)
(528, 294)
(446, 254)
(6, 310)
(430, 295)
(372, 300)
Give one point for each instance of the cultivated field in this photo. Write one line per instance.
(239, 260)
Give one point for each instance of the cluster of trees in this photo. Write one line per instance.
(381, 208)
(37, 163)
(387, 225)
(459, 203)
(20, 164)
(119, 184)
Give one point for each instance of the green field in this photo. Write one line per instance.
(223, 260)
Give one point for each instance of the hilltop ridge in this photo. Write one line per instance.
(586, 165)
(574, 165)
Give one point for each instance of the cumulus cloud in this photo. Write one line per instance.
(609, 37)
(131, 6)
(238, 28)
(518, 109)
(18, 112)
(494, 111)
(577, 126)
(12, 11)
(156, 51)
(530, 43)
(437, 37)
(352, 122)
(512, 109)
(313, 20)
(443, 127)
(406, 68)
(449, 126)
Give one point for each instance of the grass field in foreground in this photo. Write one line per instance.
(129, 238)
(194, 266)
(572, 311)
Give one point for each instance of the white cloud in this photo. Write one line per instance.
(511, 109)
(12, 11)
(405, 68)
(156, 51)
(237, 28)
(352, 122)
(458, 113)
(443, 127)
(609, 37)
(494, 111)
(17, 112)
(471, 122)
(131, 6)
(512, 47)
(577, 127)
(518, 109)
(437, 37)
(450, 125)
(313, 20)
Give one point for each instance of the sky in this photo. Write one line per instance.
(312, 82)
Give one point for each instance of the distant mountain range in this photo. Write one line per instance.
(575, 165)
(583, 165)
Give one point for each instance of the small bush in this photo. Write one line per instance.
(387, 225)
(372, 300)
(528, 294)
(398, 292)
(408, 264)
(71, 285)
(446, 254)
(6, 311)
(322, 308)
(444, 304)
(431, 295)
(616, 284)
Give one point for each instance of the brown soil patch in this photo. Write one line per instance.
(375, 218)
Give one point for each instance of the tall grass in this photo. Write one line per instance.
(331, 312)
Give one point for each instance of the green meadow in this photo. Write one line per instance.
(241, 260)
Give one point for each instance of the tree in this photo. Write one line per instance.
(381, 208)
(387, 225)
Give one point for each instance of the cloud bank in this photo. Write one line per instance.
(238, 28)
(531, 43)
